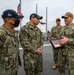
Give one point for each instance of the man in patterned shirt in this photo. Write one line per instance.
(32, 43)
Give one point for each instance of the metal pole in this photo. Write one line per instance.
(46, 18)
(20, 11)
(36, 8)
(20, 5)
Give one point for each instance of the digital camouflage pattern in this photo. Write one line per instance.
(68, 51)
(55, 34)
(62, 55)
(31, 40)
(8, 52)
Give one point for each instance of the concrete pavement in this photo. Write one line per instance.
(47, 61)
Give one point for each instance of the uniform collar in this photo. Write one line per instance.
(9, 32)
(69, 25)
(31, 27)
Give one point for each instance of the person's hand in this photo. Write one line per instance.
(39, 51)
(63, 41)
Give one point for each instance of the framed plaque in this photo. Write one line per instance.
(55, 43)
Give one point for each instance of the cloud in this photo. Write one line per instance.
(56, 8)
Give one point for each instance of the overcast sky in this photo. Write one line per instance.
(56, 8)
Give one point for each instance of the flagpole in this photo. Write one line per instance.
(46, 18)
(20, 4)
(20, 11)
(36, 8)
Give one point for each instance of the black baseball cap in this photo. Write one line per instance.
(35, 16)
(9, 13)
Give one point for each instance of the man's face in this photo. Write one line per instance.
(58, 22)
(35, 21)
(12, 22)
(68, 20)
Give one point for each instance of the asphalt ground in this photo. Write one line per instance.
(47, 61)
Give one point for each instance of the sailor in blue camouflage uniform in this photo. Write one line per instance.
(9, 45)
(68, 42)
(32, 43)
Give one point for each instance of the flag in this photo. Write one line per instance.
(19, 9)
